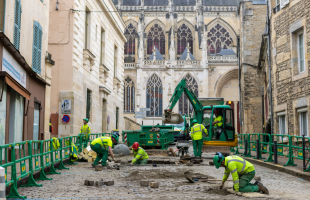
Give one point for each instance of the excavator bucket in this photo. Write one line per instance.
(172, 118)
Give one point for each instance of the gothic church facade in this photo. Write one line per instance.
(168, 40)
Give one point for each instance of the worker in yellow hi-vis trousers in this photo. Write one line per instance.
(196, 135)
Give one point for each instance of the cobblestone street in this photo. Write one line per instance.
(172, 184)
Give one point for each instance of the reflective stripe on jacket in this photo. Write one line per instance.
(139, 155)
(85, 130)
(220, 119)
(236, 166)
(196, 131)
(103, 141)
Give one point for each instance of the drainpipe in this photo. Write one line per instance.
(238, 53)
(269, 66)
(4, 16)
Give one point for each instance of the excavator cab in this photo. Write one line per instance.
(219, 121)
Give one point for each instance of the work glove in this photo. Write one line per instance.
(222, 185)
(237, 193)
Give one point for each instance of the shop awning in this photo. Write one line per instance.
(15, 85)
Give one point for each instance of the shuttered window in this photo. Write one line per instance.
(88, 104)
(37, 47)
(17, 22)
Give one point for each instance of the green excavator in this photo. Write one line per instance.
(223, 135)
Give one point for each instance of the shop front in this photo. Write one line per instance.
(22, 97)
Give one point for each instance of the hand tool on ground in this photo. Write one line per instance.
(184, 146)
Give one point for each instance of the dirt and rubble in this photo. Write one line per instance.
(172, 183)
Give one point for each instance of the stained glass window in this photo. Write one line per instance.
(218, 38)
(154, 96)
(185, 107)
(156, 37)
(129, 46)
(129, 95)
(184, 36)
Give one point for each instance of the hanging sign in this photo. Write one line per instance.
(65, 118)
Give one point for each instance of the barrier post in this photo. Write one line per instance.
(275, 153)
(304, 153)
(269, 159)
(245, 148)
(258, 156)
(71, 151)
(290, 156)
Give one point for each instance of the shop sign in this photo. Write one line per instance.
(12, 67)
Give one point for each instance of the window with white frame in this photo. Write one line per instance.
(282, 123)
(303, 121)
(301, 54)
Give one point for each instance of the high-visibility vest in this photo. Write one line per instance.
(73, 155)
(220, 119)
(55, 143)
(103, 141)
(139, 155)
(236, 166)
(196, 131)
(85, 130)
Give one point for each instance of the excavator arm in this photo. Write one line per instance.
(175, 118)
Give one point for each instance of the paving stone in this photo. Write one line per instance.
(101, 183)
(98, 168)
(109, 183)
(154, 184)
(144, 183)
(86, 182)
(91, 183)
(189, 164)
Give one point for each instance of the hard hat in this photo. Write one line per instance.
(85, 119)
(217, 160)
(135, 145)
(194, 121)
(115, 135)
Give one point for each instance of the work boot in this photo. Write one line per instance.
(262, 188)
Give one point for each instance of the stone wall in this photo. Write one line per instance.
(131, 124)
(253, 18)
(291, 87)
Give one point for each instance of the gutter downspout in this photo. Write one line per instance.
(238, 53)
(269, 66)
(4, 16)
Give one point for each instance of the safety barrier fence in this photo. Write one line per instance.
(291, 147)
(21, 161)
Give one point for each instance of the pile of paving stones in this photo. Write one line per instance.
(98, 183)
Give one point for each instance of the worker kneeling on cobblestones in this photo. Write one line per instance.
(140, 155)
(100, 146)
(242, 173)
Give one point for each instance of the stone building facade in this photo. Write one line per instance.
(290, 52)
(87, 39)
(24, 59)
(196, 40)
(252, 21)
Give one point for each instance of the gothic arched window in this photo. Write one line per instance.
(154, 96)
(185, 108)
(156, 37)
(129, 95)
(185, 36)
(129, 46)
(218, 38)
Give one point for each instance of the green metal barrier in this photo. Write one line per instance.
(265, 145)
(252, 144)
(241, 141)
(37, 155)
(284, 141)
(298, 148)
(63, 148)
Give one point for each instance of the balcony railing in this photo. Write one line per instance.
(276, 9)
(130, 65)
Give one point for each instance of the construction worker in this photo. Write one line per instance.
(218, 121)
(140, 156)
(102, 146)
(196, 135)
(51, 127)
(242, 173)
(74, 151)
(84, 132)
